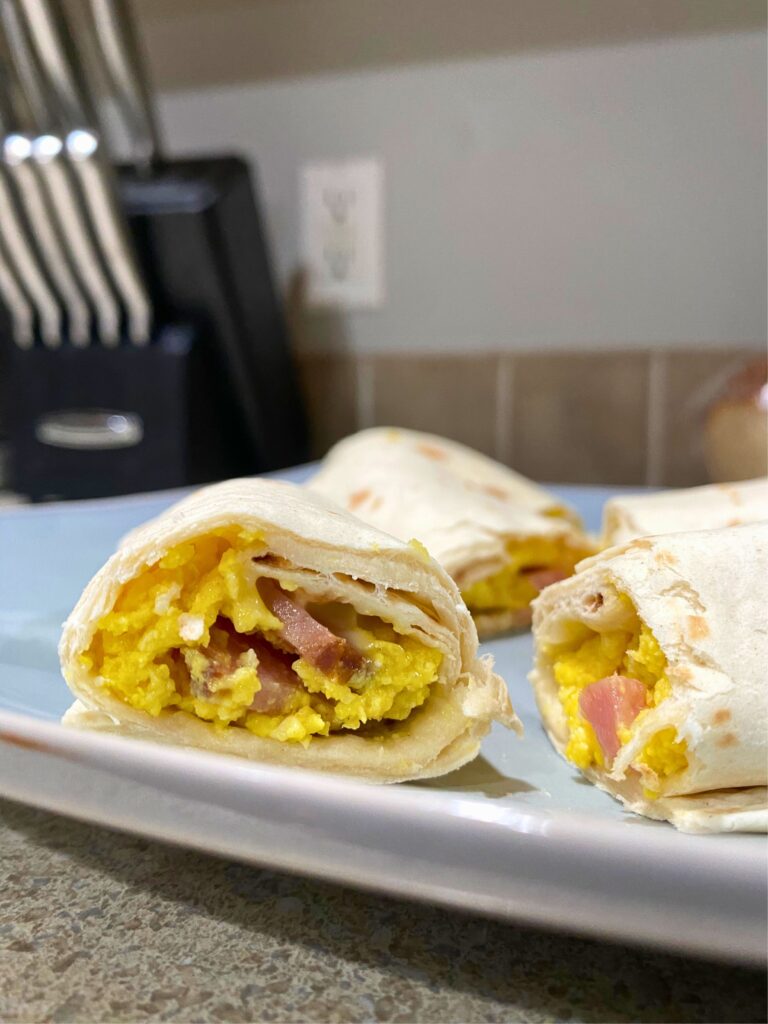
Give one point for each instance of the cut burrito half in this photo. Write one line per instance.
(691, 508)
(257, 619)
(501, 537)
(650, 675)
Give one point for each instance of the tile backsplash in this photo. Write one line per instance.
(457, 392)
(580, 417)
(610, 417)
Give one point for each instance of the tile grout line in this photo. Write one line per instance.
(364, 404)
(505, 379)
(655, 426)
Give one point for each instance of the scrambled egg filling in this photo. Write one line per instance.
(152, 643)
(511, 588)
(634, 653)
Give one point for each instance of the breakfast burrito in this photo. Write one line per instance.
(691, 508)
(650, 675)
(255, 618)
(501, 537)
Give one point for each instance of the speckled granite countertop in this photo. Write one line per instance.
(97, 926)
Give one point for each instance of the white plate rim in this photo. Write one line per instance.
(484, 847)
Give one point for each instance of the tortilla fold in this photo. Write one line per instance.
(690, 508)
(478, 518)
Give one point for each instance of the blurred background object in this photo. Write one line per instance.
(538, 227)
(736, 433)
(155, 354)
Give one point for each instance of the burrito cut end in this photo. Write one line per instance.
(200, 632)
(650, 675)
(223, 628)
(607, 681)
(532, 564)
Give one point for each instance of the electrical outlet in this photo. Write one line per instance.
(341, 229)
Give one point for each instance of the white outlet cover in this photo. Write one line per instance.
(341, 208)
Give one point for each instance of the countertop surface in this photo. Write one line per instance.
(99, 926)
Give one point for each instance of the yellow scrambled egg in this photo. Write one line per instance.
(146, 648)
(631, 653)
(510, 588)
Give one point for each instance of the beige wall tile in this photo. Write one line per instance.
(454, 396)
(329, 384)
(691, 380)
(581, 418)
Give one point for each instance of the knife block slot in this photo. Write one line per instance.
(93, 422)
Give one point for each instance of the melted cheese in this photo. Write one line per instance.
(145, 649)
(634, 653)
(510, 588)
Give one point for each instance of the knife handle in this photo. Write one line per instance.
(94, 173)
(123, 60)
(48, 152)
(17, 304)
(17, 156)
(25, 70)
(23, 257)
(53, 44)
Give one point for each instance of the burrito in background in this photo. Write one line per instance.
(501, 537)
(255, 618)
(690, 508)
(650, 675)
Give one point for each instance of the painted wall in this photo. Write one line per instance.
(555, 195)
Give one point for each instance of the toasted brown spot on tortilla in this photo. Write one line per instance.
(681, 589)
(643, 543)
(734, 522)
(732, 492)
(721, 717)
(683, 673)
(431, 451)
(495, 492)
(377, 503)
(666, 558)
(593, 601)
(729, 740)
(357, 499)
(697, 627)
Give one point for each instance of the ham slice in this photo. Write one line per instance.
(228, 652)
(278, 681)
(309, 638)
(210, 667)
(541, 576)
(610, 704)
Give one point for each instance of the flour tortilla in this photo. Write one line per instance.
(691, 508)
(465, 508)
(704, 596)
(328, 553)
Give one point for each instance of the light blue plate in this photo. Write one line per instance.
(592, 867)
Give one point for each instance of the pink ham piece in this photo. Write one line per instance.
(543, 577)
(309, 638)
(224, 656)
(610, 704)
(278, 681)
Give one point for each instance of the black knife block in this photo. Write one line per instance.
(168, 390)
(199, 232)
(217, 397)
